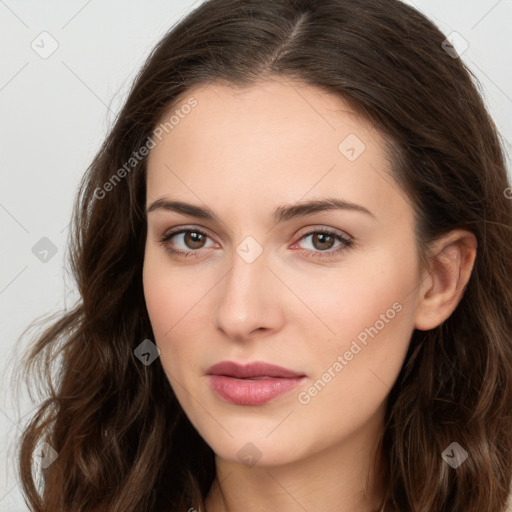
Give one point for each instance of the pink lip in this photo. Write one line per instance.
(236, 383)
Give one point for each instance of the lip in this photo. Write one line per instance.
(252, 384)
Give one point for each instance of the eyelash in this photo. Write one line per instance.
(346, 243)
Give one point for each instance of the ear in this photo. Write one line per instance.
(451, 261)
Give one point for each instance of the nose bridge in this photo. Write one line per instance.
(245, 302)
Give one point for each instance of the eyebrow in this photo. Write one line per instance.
(282, 213)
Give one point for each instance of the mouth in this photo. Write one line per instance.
(253, 384)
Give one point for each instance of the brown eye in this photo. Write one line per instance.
(186, 242)
(194, 240)
(322, 241)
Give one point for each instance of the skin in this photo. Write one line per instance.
(242, 153)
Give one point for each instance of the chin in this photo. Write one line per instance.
(257, 453)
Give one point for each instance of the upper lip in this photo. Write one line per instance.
(256, 369)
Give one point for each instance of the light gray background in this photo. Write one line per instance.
(55, 112)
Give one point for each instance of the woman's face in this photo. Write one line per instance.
(297, 249)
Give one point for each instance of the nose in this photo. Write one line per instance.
(248, 300)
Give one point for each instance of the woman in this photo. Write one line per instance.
(294, 261)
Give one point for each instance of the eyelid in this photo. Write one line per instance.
(188, 227)
(309, 230)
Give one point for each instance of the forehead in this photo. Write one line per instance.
(276, 140)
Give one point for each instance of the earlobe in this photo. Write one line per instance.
(451, 262)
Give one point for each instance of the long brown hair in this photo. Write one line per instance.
(123, 441)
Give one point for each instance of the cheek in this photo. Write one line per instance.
(355, 295)
(353, 378)
(170, 294)
(172, 299)
(179, 305)
(369, 309)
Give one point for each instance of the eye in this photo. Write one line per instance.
(325, 242)
(186, 242)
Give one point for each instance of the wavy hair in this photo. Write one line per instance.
(123, 441)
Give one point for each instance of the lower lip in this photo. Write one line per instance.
(252, 392)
